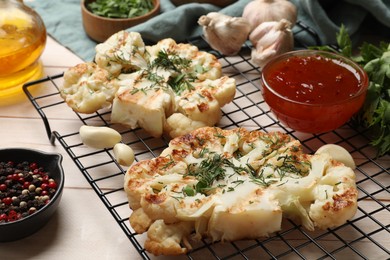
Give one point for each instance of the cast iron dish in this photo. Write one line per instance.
(101, 28)
(28, 225)
(313, 91)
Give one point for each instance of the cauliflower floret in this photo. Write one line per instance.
(335, 197)
(142, 103)
(140, 221)
(200, 107)
(88, 88)
(249, 212)
(122, 52)
(160, 206)
(325, 198)
(178, 124)
(223, 89)
(204, 102)
(165, 239)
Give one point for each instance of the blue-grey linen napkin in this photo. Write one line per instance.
(63, 20)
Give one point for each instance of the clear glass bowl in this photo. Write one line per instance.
(313, 91)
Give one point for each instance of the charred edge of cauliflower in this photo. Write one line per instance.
(163, 239)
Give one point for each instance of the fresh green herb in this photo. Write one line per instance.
(177, 198)
(203, 152)
(170, 61)
(236, 183)
(180, 83)
(375, 113)
(213, 169)
(207, 172)
(168, 164)
(201, 141)
(219, 135)
(189, 191)
(292, 165)
(259, 178)
(121, 8)
(175, 63)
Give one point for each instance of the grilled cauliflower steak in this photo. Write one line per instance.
(88, 88)
(153, 84)
(178, 79)
(234, 184)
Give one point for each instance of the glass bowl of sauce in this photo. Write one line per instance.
(313, 91)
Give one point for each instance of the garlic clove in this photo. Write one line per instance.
(259, 11)
(99, 136)
(271, 39)
(265, 31)
(224, 33)
(124, 154)
(338, 153)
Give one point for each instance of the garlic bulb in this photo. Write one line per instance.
(224, 33)
(259, 11)
(271, 39)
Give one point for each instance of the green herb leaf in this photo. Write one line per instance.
(189, 191)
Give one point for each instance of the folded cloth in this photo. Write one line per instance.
(63, 20)
(326, 16)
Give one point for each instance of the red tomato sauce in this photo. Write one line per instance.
(314, 79)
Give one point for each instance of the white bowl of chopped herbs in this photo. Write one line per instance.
(103, 18)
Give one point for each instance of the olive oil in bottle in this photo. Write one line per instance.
(22, 41)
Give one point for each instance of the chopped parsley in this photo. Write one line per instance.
(121, 8)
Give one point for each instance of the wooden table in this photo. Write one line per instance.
(82, 228)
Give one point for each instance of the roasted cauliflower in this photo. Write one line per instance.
(234, 184)
(88, 88)
(178, 79)
(151, 84)
(123, 52)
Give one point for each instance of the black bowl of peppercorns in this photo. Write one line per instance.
(31, 185)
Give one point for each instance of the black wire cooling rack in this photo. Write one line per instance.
(366, 236)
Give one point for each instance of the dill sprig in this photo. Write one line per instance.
(170, 61)
(291, 165)
(179, 82)
(207, 172)
(210, 170)
(173, 62)
(259, 178)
